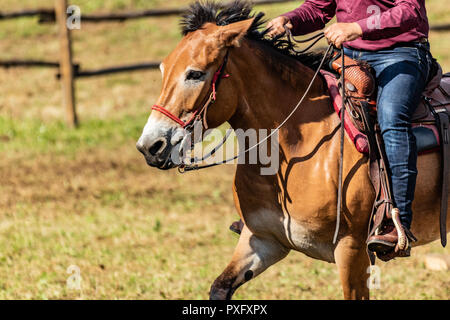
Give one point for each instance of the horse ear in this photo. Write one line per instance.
(231, 35)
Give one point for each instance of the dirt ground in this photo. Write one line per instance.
(139, 233)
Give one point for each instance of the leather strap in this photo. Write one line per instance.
(443, 118)
(442, 122)
(341, 153)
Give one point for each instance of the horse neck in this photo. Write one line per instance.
(267, 96)
(268, 90)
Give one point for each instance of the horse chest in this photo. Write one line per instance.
(293, 234)
(296, 228)
(308, 241)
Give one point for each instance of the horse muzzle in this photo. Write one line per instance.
(157, 151)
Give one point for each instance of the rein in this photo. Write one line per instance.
(341, 151)
(317, 38)
(184, 168)
(192, 167)
(200, 114)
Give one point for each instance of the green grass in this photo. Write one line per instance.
(86, 197)
(54, 137)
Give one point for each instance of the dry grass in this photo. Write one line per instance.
(86, 197)
(144, 234)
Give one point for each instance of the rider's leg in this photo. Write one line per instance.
(402, 74)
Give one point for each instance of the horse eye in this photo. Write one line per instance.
(195, 75)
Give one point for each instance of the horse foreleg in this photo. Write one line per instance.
(251, 257)
(352, 262)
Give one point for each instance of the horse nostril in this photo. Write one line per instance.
(156, 147)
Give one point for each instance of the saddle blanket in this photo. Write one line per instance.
(427, 136)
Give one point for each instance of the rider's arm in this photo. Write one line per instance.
(311, 16)
(405, 16)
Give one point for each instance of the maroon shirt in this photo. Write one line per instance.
(384, 22)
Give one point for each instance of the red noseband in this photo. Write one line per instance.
(168, 114)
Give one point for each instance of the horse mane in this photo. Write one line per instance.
(204, 11)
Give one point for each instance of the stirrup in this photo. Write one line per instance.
(405, 236)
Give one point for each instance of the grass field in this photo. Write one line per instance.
(85, 197)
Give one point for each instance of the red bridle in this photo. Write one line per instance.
(218, 75)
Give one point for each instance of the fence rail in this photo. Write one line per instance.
(440, 27)
(27, 13)
(48, 14)
(110, 70)
(28, 63)
(69, 71)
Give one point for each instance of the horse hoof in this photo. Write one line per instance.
(219, 295)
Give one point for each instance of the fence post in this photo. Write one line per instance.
(65, 63)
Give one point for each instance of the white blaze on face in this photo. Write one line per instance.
(161, 67)
(155, 127)
(158, 127)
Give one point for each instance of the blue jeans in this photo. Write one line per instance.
(401, 74)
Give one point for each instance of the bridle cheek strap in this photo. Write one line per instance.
(218, 75)
(215, 79)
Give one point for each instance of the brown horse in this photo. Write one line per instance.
(294, 209)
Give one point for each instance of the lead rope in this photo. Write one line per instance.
(341, 156)
(185, 168)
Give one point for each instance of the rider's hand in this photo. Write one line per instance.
(339, 33)
(277, 26)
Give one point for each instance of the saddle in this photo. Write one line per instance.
(430, 125)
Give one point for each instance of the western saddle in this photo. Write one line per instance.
(433, 114)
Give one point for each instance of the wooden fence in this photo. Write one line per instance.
(68, 71)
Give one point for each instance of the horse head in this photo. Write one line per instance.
(190, 74)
